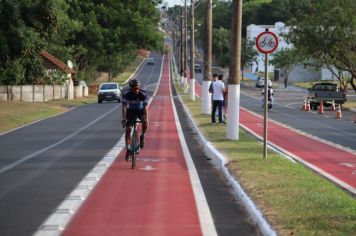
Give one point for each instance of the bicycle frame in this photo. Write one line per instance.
(135, 145)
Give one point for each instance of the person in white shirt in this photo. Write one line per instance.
(218, 98)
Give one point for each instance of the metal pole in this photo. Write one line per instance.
(265, 130)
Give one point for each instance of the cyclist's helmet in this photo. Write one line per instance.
(134, 83)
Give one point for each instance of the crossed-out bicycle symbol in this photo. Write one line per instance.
(267, 41)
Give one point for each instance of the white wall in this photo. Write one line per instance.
(254, 30)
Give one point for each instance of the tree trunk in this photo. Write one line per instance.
(352, 82)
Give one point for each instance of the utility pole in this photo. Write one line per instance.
(185, 89)
(233, 115)
(181, 46)
(206, 96)
(192, 57)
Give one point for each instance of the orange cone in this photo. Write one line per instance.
(332, 108)
(338, 112)
(304, 107)
(308, 106)
(321, 107)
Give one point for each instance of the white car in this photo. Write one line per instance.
(150, 61)
(109, 92)
(260, 82)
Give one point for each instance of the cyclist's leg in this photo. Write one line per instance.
(130, 117)
(143, 119)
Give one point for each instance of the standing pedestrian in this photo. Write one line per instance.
(218, 99)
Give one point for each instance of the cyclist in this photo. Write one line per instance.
(134, 105)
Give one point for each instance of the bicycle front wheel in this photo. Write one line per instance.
(134, 149)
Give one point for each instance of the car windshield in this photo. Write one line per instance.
(108, 86)
(325, 87)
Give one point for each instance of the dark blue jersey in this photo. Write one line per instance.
(133, 101)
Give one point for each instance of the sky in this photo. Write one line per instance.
(171, 3)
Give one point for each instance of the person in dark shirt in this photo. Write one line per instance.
(134, 106)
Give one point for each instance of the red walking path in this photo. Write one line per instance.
(157, 197)
(332, 162)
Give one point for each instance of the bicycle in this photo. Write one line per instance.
(134, 148)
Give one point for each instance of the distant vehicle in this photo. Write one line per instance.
(326, 92)
(150, 61)
(197, 68)
(270, 97)
(260, 82)
(109, 92)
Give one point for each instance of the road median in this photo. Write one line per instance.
(293, 199)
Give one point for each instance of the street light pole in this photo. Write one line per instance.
(192, 54)
(233, 115)
(206, 96)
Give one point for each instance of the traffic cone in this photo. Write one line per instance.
(332, 108)
(321, 108)
(308, 106)
(338, 112)
(304, 107)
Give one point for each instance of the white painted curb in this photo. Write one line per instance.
(220, 162)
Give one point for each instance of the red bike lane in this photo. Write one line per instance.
(157, 197)
(334, 163)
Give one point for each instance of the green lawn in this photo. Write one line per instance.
(14, 114)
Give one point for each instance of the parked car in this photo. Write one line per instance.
(109, 92)
(150, 61)
(260, 82)
(326, 92)
(197, 68)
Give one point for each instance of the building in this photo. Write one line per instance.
(299, 73)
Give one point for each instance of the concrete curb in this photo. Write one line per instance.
(220, 162)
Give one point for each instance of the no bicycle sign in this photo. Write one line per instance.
(266, 42)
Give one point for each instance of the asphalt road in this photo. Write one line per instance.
(42, 163)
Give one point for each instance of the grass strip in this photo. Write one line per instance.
(294, 199)
(14, 114)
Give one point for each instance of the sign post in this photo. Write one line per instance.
(266, 42)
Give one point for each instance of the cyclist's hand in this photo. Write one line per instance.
(123, 122)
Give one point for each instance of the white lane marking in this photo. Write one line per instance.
(23, 159)
(57, 222)
(205, 217)
(148, 168)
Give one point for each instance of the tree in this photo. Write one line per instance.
(26, 28)
(286, 59)
(221, 44)
(248, 54)
(326, 31)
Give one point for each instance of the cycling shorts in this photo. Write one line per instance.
(132, 115)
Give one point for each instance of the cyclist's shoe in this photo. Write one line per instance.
(142, 141)
(127, 156)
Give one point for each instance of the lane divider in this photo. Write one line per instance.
(57, 221)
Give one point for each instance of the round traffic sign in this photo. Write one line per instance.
(266, 42)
